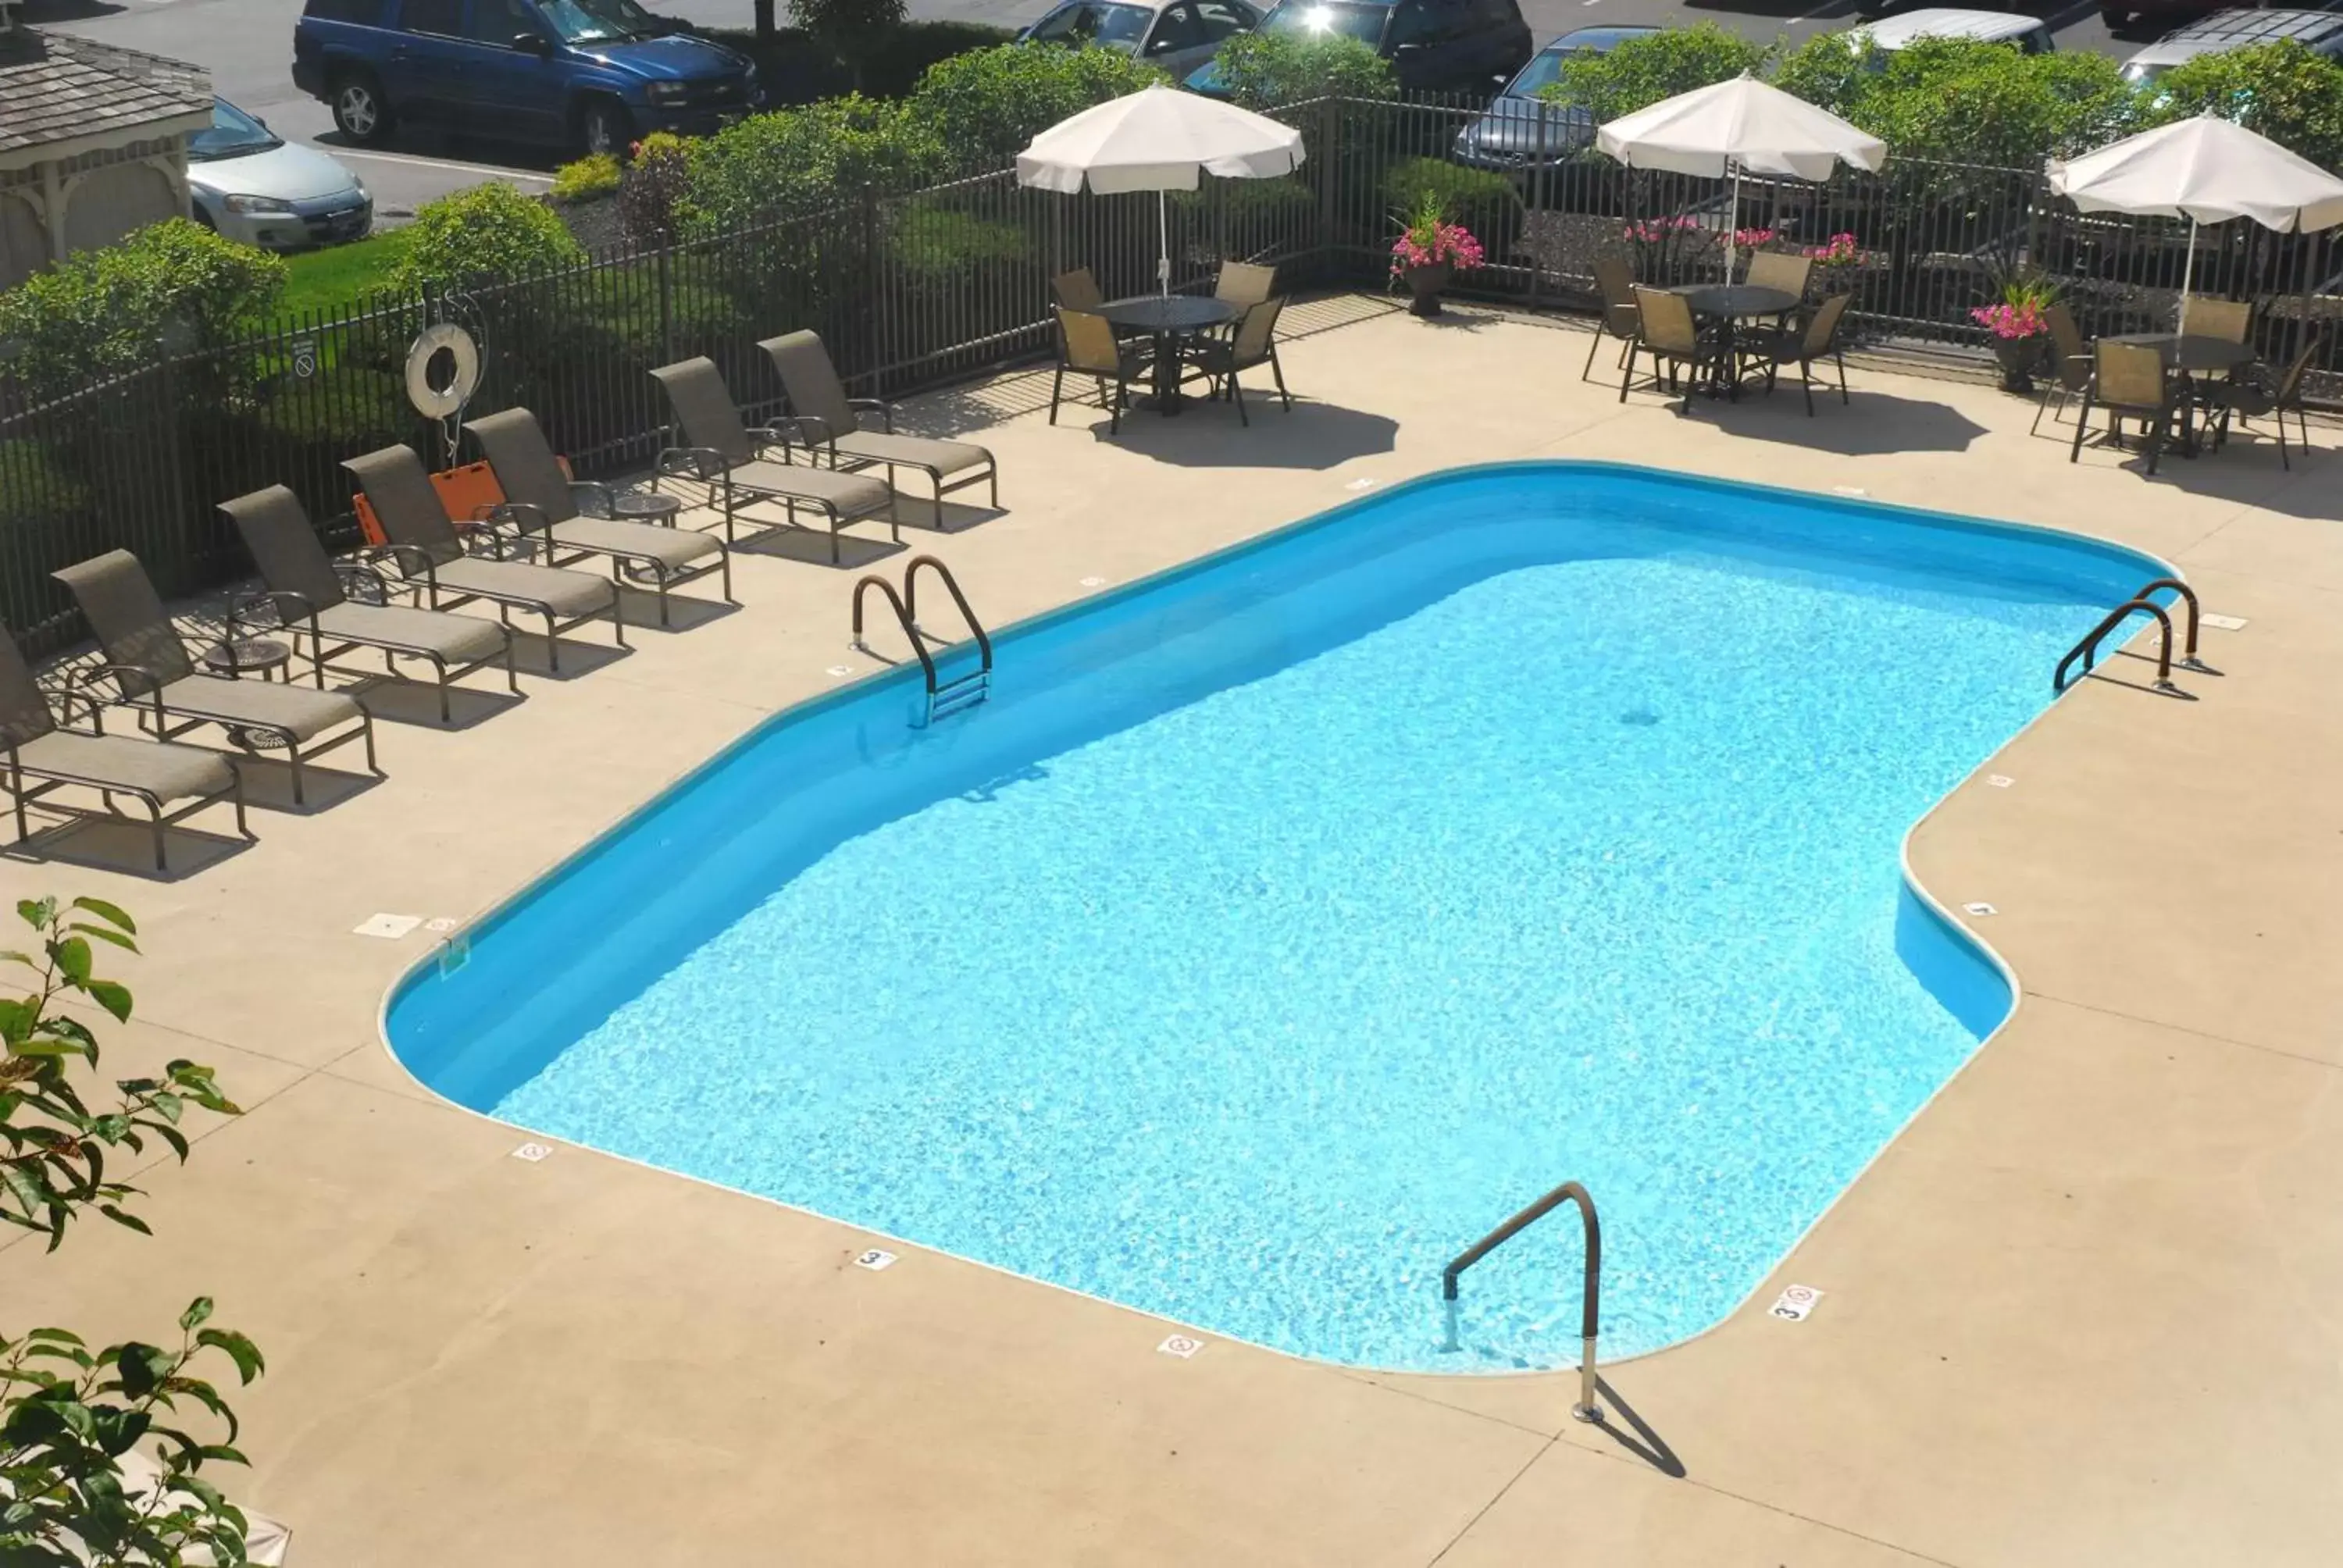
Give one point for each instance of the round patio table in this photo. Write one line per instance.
(1731, 303)
(2193, 356)
(1168, 318)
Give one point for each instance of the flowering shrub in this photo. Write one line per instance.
(1658, 230)
(1842, 251)
(1429, 239)
(1751, 238)
(2011, 321)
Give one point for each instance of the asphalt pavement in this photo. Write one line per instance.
(248, 46)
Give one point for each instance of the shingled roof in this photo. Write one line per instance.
(53, 87)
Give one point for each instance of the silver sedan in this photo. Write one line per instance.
(252, 185)
(1178, 36)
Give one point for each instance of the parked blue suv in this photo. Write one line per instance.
(589, 73)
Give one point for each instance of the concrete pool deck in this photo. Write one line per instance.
(2083, 1310)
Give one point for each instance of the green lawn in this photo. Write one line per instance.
(330, 280)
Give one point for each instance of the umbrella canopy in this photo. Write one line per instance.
(1158, 139)
(2206, 170)
(1742, 126)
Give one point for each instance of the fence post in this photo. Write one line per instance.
(872, 285)
(1329, 180)
(666, 308)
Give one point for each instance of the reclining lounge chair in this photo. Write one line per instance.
(726, 455)
(428, 548)
(42, 756)
(151, 668)
(308, 593)
(818, 400)
(542, 500)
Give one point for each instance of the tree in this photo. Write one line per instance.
(1265, 70)
(1650, 66)
(68, 1414)
(850, 29)
(2279, 90)
(1965, 100)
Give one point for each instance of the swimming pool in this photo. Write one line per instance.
(1286, 921)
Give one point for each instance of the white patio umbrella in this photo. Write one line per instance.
(1158, 139)
(2206, 170)
(1739, 126)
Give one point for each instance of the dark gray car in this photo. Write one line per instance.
(1520, 132)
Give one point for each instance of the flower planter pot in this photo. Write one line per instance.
(2019, 358)
(1425, 283)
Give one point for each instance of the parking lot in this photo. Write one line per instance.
(248, 46)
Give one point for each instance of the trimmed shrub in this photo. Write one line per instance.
(1965, 100)
(1484, 202)
(595, 175)
(2280, 90)
(1265, 70)
(850, 29)
(801, 160)
(173, 287)
(984, 106)
(1650, 66)
(656, 189)
(488, 234)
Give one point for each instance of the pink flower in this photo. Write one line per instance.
(1434, 245)
(2011, 321)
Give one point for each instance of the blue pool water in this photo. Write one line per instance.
(1286, 923)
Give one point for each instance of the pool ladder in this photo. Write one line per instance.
(945, 696)
(1590, 1294)
(2141, 603)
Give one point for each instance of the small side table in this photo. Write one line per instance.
(645, 506)
(260, 655)
(249, 656)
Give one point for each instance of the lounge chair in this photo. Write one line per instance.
(818, 400)
(1614, 281)
(540, 500)
(1254, 342)
(1666, 331)
(310, 592)
(1086, 346)
(2128, 380)
(1805, 346)
(42, 756)
(727, 455)
(429, 547)
(151, 669)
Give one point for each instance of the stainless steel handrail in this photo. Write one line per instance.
(1590, 1298)
(2088, 649)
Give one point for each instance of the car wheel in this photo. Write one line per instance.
(360, 112)
(603, 127)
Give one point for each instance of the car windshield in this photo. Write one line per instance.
(1312, 18)
(1115, 26)
(2136, 72)
(597, 21)
(231, 134)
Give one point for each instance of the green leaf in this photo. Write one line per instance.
(198, 1313)
(141, 1368)
(37, 912)
(72, 956)
(111, 914)
(240, 1350)
(113, 997)
(123, 1218)
(102, 934)
(56, 1336)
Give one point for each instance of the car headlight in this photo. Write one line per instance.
(668, 92)
(256, 204)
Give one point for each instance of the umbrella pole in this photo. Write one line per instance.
(1164, 240)
(2188, 277)
(1733, 234)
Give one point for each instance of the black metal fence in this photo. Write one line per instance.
(923, 287)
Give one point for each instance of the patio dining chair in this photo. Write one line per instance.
(2254, 395)
(1668, 332)
(2128, 381)
(1805, 346)
(542, 500)
(2230, 320)
(436, 552)
(1614, 281)
(1086, 346)
(2070, 363)
(154, 675)
(1779, 269)
(1244, 283)
(818, 400)
(346, 604)
(1077, 290)
(735, 461)
(38, 757)
(1253, 342)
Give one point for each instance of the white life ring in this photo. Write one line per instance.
(442, 402)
